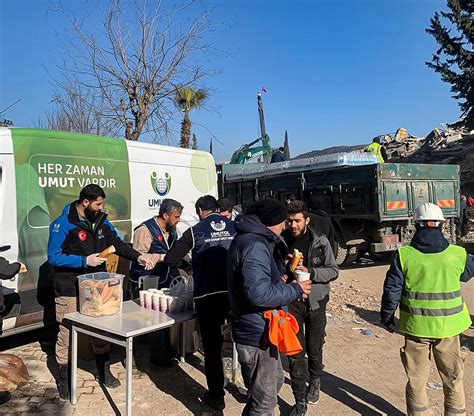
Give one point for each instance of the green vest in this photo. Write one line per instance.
(375, 149)
(431, 304)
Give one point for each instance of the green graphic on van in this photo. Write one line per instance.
(160, 185)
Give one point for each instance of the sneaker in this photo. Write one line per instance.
(299, 409)
(312, 393)
(216, 404)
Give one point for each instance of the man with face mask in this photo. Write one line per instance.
(76, 238)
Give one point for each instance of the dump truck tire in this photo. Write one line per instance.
(344, 255)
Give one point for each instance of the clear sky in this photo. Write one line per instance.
(336, 72)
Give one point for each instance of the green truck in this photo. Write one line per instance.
(371, 205)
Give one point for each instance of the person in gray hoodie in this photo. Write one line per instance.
(318, 260)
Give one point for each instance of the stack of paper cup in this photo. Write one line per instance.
(164, 303)
(142, 298)
(148, 299)
(302, 276)
(155, 300)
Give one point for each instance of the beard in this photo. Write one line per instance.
(169, 227)
(300, 235)
(91, 215)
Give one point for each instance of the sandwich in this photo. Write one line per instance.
(295, 261)
(107, 252)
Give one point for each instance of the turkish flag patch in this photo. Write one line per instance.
(82, 235)
(160, 238)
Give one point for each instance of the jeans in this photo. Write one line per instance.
(212, 312)
(263, 377)
(312, 324)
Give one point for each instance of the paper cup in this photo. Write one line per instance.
(155, 301)
(164, 304)
(302, 276)
(148, 300)
(142, 298)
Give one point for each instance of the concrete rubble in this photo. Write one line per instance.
(445, 145)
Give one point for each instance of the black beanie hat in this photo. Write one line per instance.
(269, 211)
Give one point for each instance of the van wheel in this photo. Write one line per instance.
(344, 255)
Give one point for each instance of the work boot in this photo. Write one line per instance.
(63, 382)
(104, 376)
(216, 404)
(4, 397)
(299, 409)
(312, 393)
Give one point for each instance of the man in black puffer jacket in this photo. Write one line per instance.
(255, 286)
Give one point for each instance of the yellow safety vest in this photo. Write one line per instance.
(376, 150)
(431, 304)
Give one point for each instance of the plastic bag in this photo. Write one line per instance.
(13, 373)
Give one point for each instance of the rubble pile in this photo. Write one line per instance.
(442, 146)
(350, 303)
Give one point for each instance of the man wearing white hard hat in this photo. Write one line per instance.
(424, 279)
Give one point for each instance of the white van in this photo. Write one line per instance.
(41, 171)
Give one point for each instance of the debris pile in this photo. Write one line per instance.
(446, 145)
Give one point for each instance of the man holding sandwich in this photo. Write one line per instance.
(317, 260)
(76, 238)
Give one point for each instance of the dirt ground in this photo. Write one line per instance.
(363, 372)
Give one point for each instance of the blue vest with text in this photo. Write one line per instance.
(212, 237)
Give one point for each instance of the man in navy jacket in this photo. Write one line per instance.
(209, 241)
(255, 286)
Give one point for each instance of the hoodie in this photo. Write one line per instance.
(426, 240)
(254, 281)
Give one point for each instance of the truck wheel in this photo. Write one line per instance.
(344, 255)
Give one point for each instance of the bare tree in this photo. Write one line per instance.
(77, 109)
(135, 65)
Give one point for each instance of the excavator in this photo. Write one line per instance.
(263, 153)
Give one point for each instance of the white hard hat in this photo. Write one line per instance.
(428, 212)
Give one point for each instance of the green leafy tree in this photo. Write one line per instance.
(188, 99)
(454, 60)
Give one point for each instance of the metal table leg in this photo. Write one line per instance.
(128, 371)
(183, 343)
(74, 365)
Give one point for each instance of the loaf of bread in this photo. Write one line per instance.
(107, 252)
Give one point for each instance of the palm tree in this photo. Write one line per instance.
(187, 99)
